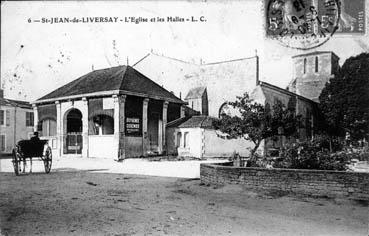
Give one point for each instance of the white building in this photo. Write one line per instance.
(16, 122)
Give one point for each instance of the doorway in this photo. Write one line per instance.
(153, 133)
(73, 132)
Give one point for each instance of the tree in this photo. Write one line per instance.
(257, 122)
(344, 101)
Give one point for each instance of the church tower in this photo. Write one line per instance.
(311, 72)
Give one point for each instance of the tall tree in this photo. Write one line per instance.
(257, 122)
(345, 99)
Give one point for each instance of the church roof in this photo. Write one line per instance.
(285, 91)
(224, 80)
(195, 93)
(114, 80)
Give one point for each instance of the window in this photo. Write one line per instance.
(179, 137)
(185, 139)
(2, 143)
(2, 117)
(305, 65)
(29, 119)
(101, 125)
(316, 64)
(48, 127)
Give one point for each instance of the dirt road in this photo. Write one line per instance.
(90, 203)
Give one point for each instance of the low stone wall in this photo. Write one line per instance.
(351, 185)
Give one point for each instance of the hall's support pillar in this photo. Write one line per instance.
(145, 141)
(35, 118)
(119, 125)
(84, 111)
(163, 148)
(59, 131)
(182, 111)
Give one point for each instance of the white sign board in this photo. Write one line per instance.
(108, 103)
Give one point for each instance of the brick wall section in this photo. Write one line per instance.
(351, 185)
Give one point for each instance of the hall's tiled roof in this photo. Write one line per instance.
(122, 79)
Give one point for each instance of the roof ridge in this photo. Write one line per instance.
(181, 119)
(193, 63)
(285, 91)
(172, 58)
(232, 60)
(141, 59)
(122, 70)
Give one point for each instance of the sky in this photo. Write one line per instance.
(37, 58)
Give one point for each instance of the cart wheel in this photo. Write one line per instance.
(48, 160)
(15, 161)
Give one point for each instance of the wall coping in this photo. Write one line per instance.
(219, 166)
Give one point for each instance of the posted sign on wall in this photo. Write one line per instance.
(133, 126)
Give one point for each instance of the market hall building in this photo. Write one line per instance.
(114, 113)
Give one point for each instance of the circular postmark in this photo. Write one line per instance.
(302, 24)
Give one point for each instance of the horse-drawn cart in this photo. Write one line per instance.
(31, 149)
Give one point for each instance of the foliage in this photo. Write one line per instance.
(345, 99)
(358, 153)
(258, 122)
(313, 155)
(333, 144)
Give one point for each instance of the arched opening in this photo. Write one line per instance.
(73, 132)
(74, 121)
(224, 110)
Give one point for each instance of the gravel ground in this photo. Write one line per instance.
(181, 169)
(82, 202)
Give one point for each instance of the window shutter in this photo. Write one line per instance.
(7, 114)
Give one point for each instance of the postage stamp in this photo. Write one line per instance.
(352, 18)
(302, 24)
(307, 24)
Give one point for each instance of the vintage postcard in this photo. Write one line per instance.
(223, 117)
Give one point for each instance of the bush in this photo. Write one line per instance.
(312, 155)
(364, 154)
(333, 144)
